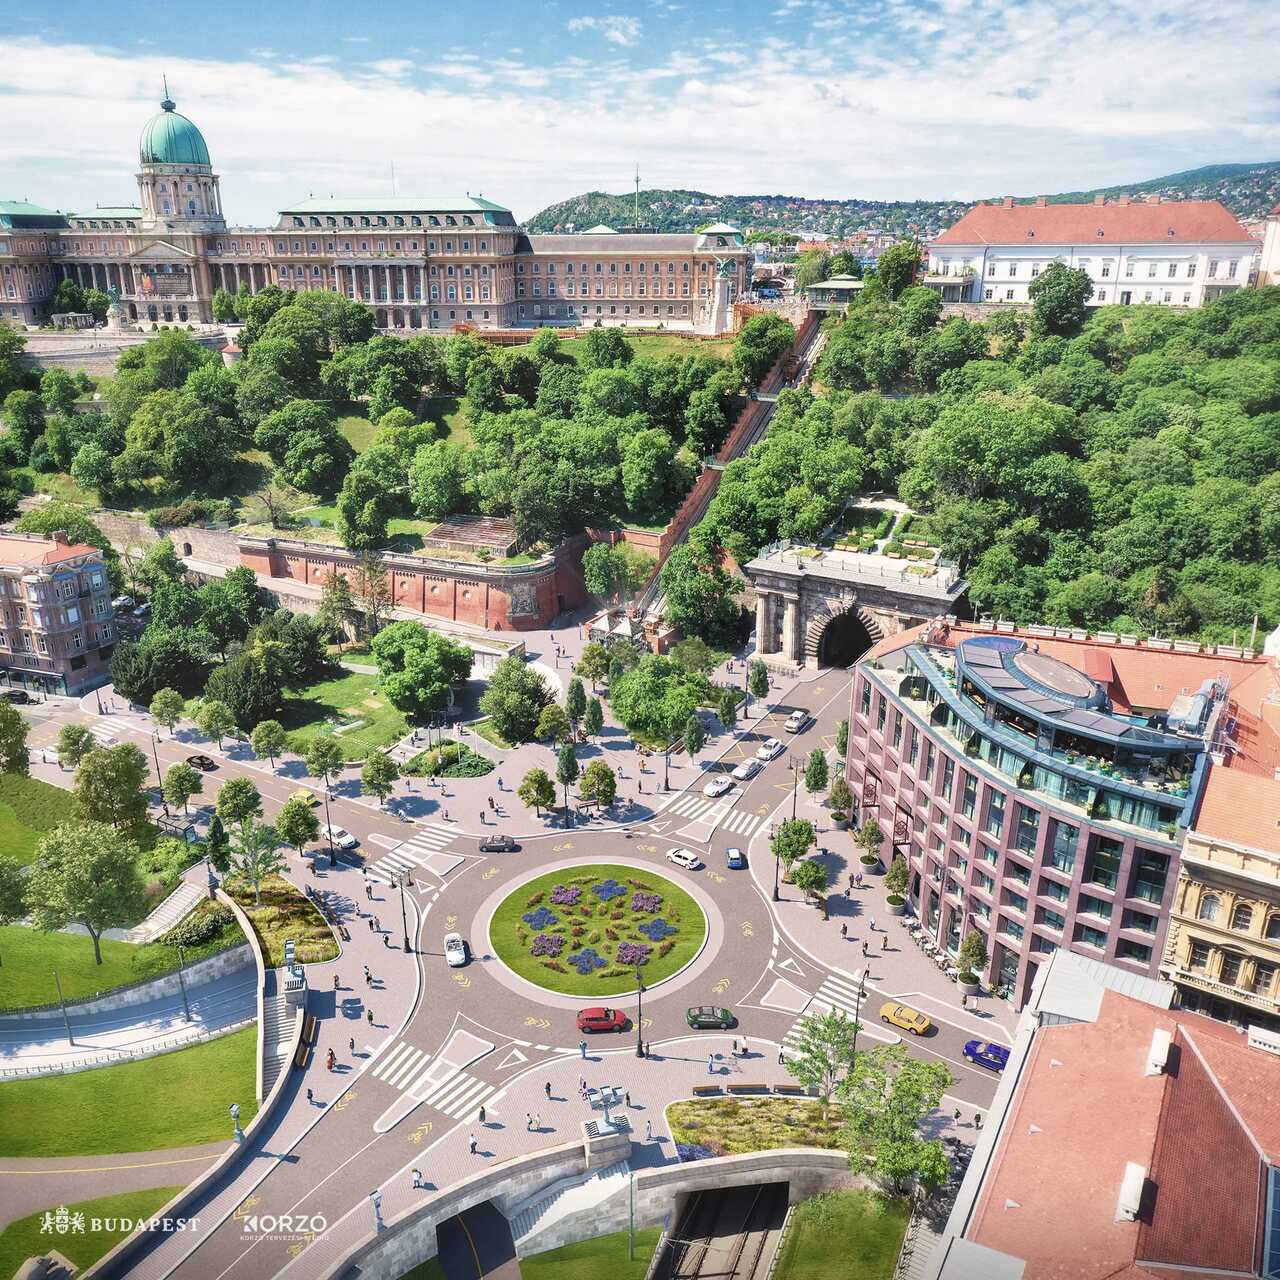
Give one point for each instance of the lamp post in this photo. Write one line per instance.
(62, 1002)
(772, 834)
(211, 881)
(666, 766)
(155, 756)
(403, 919)
(328, 825)
(794, 762)
(182, 960)
(639, 1013)
(862, 982)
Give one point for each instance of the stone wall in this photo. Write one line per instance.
(979, 311)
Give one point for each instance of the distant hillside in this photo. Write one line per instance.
(1248, 190)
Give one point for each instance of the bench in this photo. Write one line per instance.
(705, 1090)
(794, 1090)
(748, 1088)
(309, 1028)
(301, 1055)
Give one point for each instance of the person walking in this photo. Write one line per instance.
(310, 1097)
(528, 1121)
(351, 1045)
(368, 1013)
(884, 942)
(547, 1088)
(582, 1049)
(844, 932)
(330, 1060)
(964, 1003)
(746, 1052)
(858, 878)
(582, 1084)
(872, 924)
(368, 890)
(848, 890)
(626, 1096)
(471, 1143)
(336, 985)
(480, 1117)
(864, 948)
(956, 1116)
(711, 1059)
(370, 923)
(418, 1184)
(977, 1119)
(368, 977)
(648, 1130)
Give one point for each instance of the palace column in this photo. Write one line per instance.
(791, 630)
(404, 282)
(763, 638)
(386, 271)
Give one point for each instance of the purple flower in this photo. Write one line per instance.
(548, 944)
(540, 919)
(565, 895)
(607, 889)
(693, 1151)
(633, 953)
(586, 960)
(646, 901)
(657, 929)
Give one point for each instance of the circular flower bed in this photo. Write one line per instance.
(583, 930)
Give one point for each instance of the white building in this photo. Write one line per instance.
(1269, 268)
(1177, 253)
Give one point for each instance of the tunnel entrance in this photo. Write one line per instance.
(844, 640)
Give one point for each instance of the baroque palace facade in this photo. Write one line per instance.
(420, 263)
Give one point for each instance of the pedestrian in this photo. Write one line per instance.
(483, 819)
(844, 932)
(377, 924)
(481, 1116)
(547, 1087)
(781, 1060)
(386, 942)
(735, 1046)
(446, 812)
(872, 924)
(364, 871)
(491, 804)
(370, 923)
(977, 1119)
(368, 890)
(582, 1049)
(858, 878)
(864, 949)
(368, 1013)
(648, 1130)
(627, 1097)
(848, 890)
(711, 1058)
(335, 982)
(310, 1097)
(884, 942)
(746, 1052)
(648, 1048)
(582, 1084)
(418, 1184)
(964, 1003)
(351, 1044)
(471, 1142)
(528, 1120)
(368, 977)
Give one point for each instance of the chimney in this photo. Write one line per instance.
(1157, 199)
(1099, 199)
(1008, 202)
(1122, 201)
(1042, 202)
(60, 537)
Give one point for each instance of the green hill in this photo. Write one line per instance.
(1248, 190)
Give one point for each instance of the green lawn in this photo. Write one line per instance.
(178, 1099)
(485, 729)
(734, 1126)
(29, 808)
(844, 1235)
(354, 424)
(353, 699)
(23, 1239)
(594, 919)
(448, 411)
(594, 1259)
(660, 344)
(30, 957)
(285, 912)
(429, 1270)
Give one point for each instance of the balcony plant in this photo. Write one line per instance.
(972, 958)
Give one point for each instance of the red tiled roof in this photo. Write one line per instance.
(32, 553)
(1192, 221)
(1242, 808)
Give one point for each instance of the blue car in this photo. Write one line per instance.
(735, 859)
(995, 1056)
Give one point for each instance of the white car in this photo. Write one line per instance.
(769, 749)
(718, 785)
(796, 721)
(683, 858)
(341, 837)
(455, 950)
(747, 769)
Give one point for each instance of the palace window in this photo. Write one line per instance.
(1272, 931)
(1242, 917)
(1198, 956)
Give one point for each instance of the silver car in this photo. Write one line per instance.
(747, 769)
(455, 950)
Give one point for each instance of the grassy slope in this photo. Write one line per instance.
(175, 1100)
(845, 1235)
(29, 808)
(593, 1259)
(355, 696)
(507, 920)
(286, 913)
(733, 1126)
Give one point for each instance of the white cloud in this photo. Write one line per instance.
(615, 29)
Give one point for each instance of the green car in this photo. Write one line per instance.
(705, 1017)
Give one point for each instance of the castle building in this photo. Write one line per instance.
(418, 262)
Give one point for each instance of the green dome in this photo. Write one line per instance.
(172, 139)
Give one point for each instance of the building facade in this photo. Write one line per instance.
(1039, 788)
(57, 628)
(419, 262)
(1174, 253)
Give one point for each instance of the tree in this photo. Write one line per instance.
(842, 740)
(839, 797)
(599, 784)
(972, 956)
(379, 775)
(895, 879)
(336, 606)
(217, 847)
(816, 772)
(575, 700)
(896, 268)
(727, 708)
(437, 478)
(792, 841)
(760, 344)
(695, 736)
(224, 306)
(68, 297)
(324, 758)
(86, 874)
(699, 595)
(821, 1050)
(238, 801)
(181, 782)
(655, 698)
(553, 724)
(758, 680)
(58, 391)
(886, 1095)
(297, 824)
(214, 719)
(870, 837)
(603, 568)
(255, 855)
(593, 721)
(812, 267)
(1059, 293)
(268, 739)
(419, 667)
(13, 889)
(161, 565)
(566, 769)
(537, 789)
(74, 743)
(24, 416)
(371, 591)
(593, 663)
(167, 708)
(606, 349)
(367, 500)
(695, 656)
(109, 786)
(514, 699)
(810, 876)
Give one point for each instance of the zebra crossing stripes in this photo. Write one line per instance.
(424, 849)
(835, 993)
(103, 732)
(438, 1083)
(712, 813)
(458, 1095)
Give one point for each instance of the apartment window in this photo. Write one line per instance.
(1138, 920)
(1015, 900)
(1051, 919)
(987, 294)
(1102, 295)
(994, 824)
(1008, 295)
(1028, 829)
(1213, 267)
(1173, 271)
(897, 730)
(1198, 957)
(1128, 270)
(1052, 889)
(1186, 299)
(1150, 875)
(968, 794)
(1272, 931)
(1191, 270)
(1126, 949)
(1242, 917)
(865, 704)
(1231, 269)
(913, 746)
(1263, 976)
(984, 882)
(928, 768)
(1230, 970)
(1091, 937)
(991, 268)
(1104, 863)
(1106, 270)
(1013, 270)
(880, 713)
(1151, 270)
(1013, 930)
(1095, 906)
(948, 776)
(1035, 269)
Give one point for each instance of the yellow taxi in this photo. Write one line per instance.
(910, 1020)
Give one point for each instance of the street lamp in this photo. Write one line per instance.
(155, 755)
(403, 920)
(862, 982)
(639, 1013)
(182, 960)
(794, 762)
(211, 879)
(773, 831)
(328, 825)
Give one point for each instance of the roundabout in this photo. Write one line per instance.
(582, 929)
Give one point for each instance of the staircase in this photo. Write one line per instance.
(277, 1036)
(569, 1195)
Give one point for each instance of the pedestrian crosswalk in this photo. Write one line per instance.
(714, 814)
(835, 993)
(435, 1082)
(104, 732)
(425, 850)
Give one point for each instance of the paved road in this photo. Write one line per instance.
(476, 1245)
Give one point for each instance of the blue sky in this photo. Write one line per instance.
(530, 103)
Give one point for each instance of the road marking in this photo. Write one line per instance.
(425, 849)
(513, 1059)
(722, 986)
(835, 993)
(538, 1022)
(789, 965)
(748, 930)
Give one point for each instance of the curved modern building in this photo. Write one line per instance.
(1039, 787)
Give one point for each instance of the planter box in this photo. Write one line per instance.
(875, 868)
(896, 908)
(969, 988)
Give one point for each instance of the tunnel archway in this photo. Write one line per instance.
(840, 639)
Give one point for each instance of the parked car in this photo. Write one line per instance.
(986, 1054)
(735, 859)
(143, 610)
(455, 950)
(718, 785)
(683, 858)
(341, 837)
(123, 602)
(769, 749)
(307, 796)
(796, 721)
(206, 764)
(746, 770)
(19, 697)
(900, 1015)
(706, 1017)
(498, 844)
(601, 1019)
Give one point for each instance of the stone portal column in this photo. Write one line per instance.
(404, 282)
(764, 640)
(791, 631)
(387, 272)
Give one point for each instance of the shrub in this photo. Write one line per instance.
(895, 900)
(548, 944)
(533, 902)
(199, 927)
(667, 947)
(594, 935)
(633, 953)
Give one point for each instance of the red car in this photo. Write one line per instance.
(600, 1019)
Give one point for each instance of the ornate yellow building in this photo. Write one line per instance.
(1223, 945)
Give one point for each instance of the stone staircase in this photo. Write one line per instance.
(182, 900)
(277, 1036)
(544, 1208)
